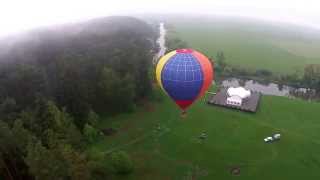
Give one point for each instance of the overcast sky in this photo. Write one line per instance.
(19, 15)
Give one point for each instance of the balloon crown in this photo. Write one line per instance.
(184, 50)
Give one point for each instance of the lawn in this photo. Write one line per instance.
(235, 139)
(250, 44)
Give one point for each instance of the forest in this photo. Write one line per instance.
(56, 82)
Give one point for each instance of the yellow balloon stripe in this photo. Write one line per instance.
(161, 64)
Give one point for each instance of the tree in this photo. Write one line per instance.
(126, 93)
(43, 163)
(93, 118)
(312, 76)
(7, 150)
(107, 90)
(78, 168)
(8, 109)
(72, 86)
(221, 60)
(22, 136)
(60, 123)
(57, 162)
(121, 163)
(140, 84)
(115, 92)
(24, 82)
(90, 133)
(173, 43)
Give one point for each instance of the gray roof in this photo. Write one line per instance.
(249, 104)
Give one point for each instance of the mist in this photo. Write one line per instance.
(18, 16)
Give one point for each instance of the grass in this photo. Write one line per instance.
(234, 139)
(250, 44)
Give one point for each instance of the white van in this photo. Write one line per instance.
(276, 136)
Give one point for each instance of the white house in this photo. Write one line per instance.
(237, 95)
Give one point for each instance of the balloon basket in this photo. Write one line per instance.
(183, 114)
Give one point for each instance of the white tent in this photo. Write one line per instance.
(236, 95)
(239, 91)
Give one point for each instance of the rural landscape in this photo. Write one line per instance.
(162, 143)
(284, 48)
(89, 100)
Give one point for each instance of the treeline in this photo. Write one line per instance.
(310, 78)
(55, 83)
(172, 41)
(225, 70)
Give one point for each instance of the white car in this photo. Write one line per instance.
(277, 136)
(268, 139)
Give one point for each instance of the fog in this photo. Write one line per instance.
(17, 15)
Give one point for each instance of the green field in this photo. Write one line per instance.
(235, 139)
(249, 43)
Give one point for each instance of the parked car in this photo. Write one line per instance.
(272, 138)
(276, 136)
(268, 139)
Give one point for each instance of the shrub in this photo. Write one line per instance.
(263, 72)
(121, 163)
(90, 133)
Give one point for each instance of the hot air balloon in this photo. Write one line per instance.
(185, 75)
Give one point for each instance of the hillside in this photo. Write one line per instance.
(63, 58)
(54, 85)
(165, 146)
(83, 38)
(248, 43)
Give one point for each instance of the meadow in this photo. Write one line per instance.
(163, 145)
(250, 44)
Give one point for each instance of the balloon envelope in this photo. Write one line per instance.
(185, 75)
